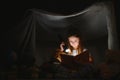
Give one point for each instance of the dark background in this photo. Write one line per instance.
(13, 12)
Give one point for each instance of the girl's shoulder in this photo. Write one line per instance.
(85, 49)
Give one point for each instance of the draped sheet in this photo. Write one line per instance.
(40, 32)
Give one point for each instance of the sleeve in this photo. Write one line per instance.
(91, 60)
(57, 55)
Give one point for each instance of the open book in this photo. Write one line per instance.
(73, 61)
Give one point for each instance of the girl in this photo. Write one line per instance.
(75, 47)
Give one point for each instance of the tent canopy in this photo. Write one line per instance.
(40, 33)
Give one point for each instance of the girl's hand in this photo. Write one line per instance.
(61, 46)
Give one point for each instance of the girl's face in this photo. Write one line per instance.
(74, 41)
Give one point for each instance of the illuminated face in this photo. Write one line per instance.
(74, 41)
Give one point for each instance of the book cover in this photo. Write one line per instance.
(73, 61)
